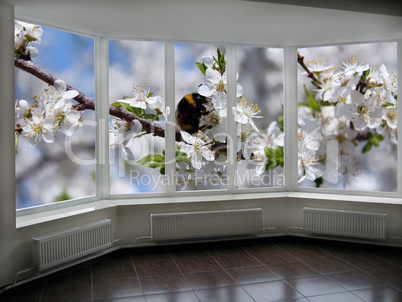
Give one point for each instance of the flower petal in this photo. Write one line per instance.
(187, 137)
(196, 160)
(204, 90)
(207, 154)
(70, 94)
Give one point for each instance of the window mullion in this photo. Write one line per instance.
(399, 112)
(231, 126)
(290, 117)
(170, 129)
(102, 116)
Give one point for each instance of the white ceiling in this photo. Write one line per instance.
(255, 22)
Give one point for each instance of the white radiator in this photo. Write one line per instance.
(345, 223)
(61, 247)
(206, 224)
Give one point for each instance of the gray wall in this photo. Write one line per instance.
(228, 21)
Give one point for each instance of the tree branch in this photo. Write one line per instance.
(316, 82)
(86, 102)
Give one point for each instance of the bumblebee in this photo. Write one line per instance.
(195, 113)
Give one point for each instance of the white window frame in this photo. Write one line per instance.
(291, 188)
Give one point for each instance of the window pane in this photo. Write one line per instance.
(136, 87)
(55, 138)
(259, 118)
(201, 112)
(348, 117)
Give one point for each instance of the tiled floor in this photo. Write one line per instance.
(272, 269)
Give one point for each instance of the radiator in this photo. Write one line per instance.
(345, 223)
(61, 247)
(167, 226)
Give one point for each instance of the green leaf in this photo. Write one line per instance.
(275, 157)
(150, 94)
(366, 73)
(271, 165)
(308, 93)
(181, 156)
(279, 154)
(270, 153)
(202, 67)
(281, 122)
(376, 139)
(123, 105)
(137, 111)
(367, 147)
(152, 117)
(313, 104)
(303, 104)
(152, 161)
(63, 196)
(319, 181)
(162, 170)
(311, 101)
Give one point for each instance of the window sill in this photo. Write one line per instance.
(348, 198)
(73, 210)
(26, 220)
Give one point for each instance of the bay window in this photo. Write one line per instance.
(222, 104)
(54, 137)
(347, 117)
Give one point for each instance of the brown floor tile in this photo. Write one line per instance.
(231, 293)
(189, 296)
(271, 291)
(246, 275)
(314, 286)
(271, 269)
(74, 285)
(225, 250)
(390, 254)
(379, 294)
(116, 288)
(236, 260)
(337, 297)
(355, 280)
(154, 268)
(209, 279)
(26, 293)
(271, 255)
(379, 268)
(125, 299)
(259, 247)
(164, 284)
(304, 251)
(189, 253)
(150, 256)
(113, 267)
(197, 264)
(329, 265)
(292, 270)
(343, 250)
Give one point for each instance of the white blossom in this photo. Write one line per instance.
(388, 85)
(350, 67)
(38, 128)
(196, 148)
(142, 97)
(362, 112)
(21, 108)
(215, 88)
(246, 111)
